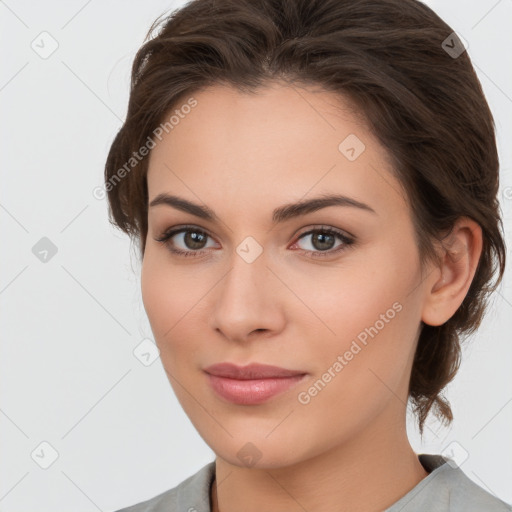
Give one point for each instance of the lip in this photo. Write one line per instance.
(252, 384)
(250, 371)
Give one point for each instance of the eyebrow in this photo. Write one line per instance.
(281, 214)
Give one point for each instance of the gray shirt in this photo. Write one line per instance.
(446, 488)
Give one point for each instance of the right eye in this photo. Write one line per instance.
(190, 238)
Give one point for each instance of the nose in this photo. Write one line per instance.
(248, 301)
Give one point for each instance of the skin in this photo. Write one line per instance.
(243, 156)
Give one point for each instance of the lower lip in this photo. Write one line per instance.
(251, 392)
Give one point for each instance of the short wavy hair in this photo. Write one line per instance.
(407, 73)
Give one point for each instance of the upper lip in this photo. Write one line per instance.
(251, 371)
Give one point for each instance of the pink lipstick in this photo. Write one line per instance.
(252, 384)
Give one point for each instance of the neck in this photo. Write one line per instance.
(369, 473)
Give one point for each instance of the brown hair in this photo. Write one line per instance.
(406, 72)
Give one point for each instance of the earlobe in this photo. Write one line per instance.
(460, 252)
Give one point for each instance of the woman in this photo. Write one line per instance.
(312, 185)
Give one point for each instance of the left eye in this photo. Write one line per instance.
(322, 241)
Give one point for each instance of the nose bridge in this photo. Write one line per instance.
(248, 273)
(246, 300)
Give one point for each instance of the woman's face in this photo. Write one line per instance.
(342, 307)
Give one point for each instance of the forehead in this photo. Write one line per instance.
(280, 142)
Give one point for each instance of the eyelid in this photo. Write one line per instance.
(182, 227)
(328, 228)
(178, 228)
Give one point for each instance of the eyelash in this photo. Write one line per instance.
(347, 241)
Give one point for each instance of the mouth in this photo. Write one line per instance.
(252, 384)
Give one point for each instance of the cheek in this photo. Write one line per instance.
(156, 302)
(173, 299)
(364, 296)
(361, 373)
(373, 320)
(163, 296)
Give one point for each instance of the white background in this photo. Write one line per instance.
(69, 326)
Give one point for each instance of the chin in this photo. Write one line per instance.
(258, 453)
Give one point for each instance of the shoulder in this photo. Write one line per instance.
(191, 495)
(465, 494)
(448, 489)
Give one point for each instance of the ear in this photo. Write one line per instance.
(449, 281)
